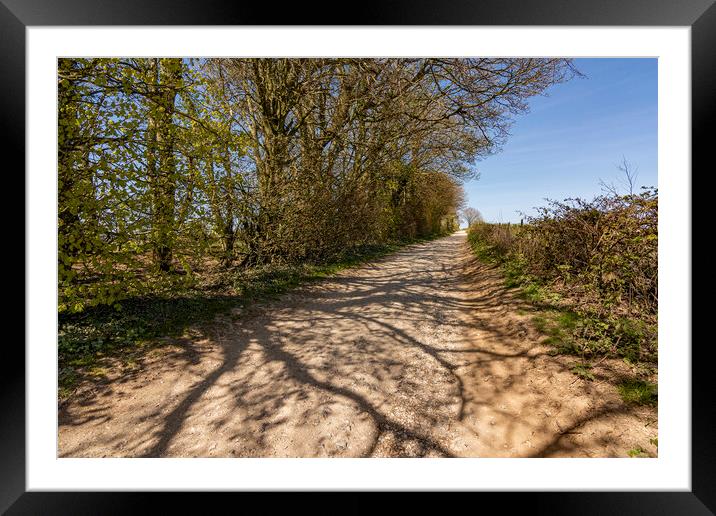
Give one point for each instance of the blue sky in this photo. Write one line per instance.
(572, 138)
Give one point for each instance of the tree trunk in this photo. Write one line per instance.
(161, 133)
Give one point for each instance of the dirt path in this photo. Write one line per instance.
(422, 353)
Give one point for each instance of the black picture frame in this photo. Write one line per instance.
(700, 15)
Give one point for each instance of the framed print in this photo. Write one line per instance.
(276, 252)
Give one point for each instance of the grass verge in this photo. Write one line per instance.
(573, 330)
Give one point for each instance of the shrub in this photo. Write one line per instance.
(600, 254)
(608, 245)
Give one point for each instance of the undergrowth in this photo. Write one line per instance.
(639, 392)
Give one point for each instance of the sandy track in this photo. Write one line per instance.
(422, 353)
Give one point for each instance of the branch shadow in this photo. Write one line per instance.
(414, 355)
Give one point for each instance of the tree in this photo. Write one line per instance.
(178, 163)
(164, 83)
(471, 215)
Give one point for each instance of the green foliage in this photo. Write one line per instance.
(583, 371)
(119, 180)
(639, 392)
(637, 452)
